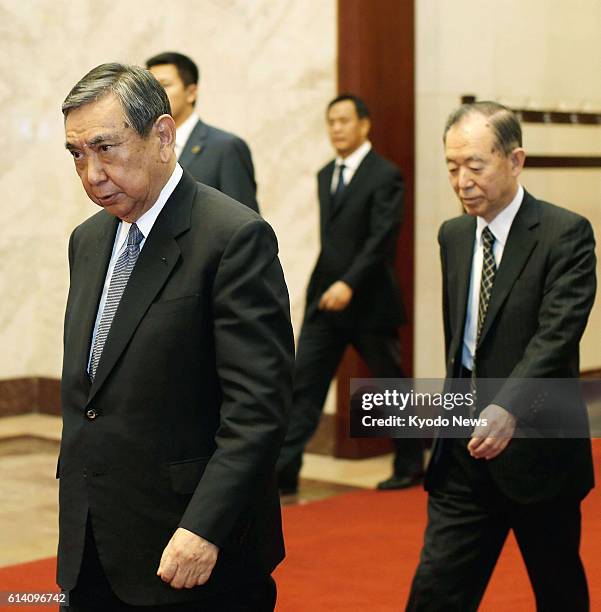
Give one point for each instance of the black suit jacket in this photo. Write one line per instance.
(221, 160)
(358, 241)
(190, 397)
(539, 306)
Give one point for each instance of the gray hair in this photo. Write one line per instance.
(141, 96)
(503, 122)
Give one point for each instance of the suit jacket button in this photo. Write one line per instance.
(91, 414)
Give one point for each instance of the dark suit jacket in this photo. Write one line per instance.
(221, 160)
(190, 397)
(539, 306)
(358, 242)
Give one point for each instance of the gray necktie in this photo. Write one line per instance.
(121, 272)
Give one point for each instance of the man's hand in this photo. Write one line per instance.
(491, 439)
(337, 297)
(187, 560)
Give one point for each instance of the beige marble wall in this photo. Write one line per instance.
(538, 54)
(268, 69)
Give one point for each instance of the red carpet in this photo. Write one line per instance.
(358, 551)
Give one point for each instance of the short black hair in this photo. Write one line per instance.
(503, 122)
(360, 106)
(186, 68)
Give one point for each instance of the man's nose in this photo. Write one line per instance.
(95, 171)
(464, 180)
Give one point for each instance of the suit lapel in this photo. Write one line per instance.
(325, 193)
(91, 277)
(520, 243)
(463, 264)
(195, 144)
(156, 261)
(359, 177)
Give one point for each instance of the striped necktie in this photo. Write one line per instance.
(123, 268)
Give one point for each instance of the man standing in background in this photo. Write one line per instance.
(518, 286)
(353, 295)
(212, 156)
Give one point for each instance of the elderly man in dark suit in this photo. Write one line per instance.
(212, 156)
(518, 286)
(353, 295)
(177, 372)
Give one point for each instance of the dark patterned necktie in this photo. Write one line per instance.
(489, 269)
(123, 268)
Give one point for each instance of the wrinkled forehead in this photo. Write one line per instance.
(471, 137)
(102, 115)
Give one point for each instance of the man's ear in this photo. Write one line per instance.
(517, 158)
(191, 93)
(365, 126)
(165, 130)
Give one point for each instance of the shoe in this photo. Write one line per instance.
(288, 489)
(287, 486)
(400, 482)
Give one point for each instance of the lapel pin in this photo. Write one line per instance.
(164, 260)
(196, 149)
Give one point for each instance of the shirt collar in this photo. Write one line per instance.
(501, 224)
(185, 129)
(356, 157)
(146, 221)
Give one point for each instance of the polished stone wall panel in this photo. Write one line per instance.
(268, 69)
(540, 54)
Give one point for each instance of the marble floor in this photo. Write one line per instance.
(29, 489)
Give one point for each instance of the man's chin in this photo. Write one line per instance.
(113, 208)
(471, 207)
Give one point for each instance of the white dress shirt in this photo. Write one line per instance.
(182, 133)
(499, 227)
(144, 223)
(351, 163)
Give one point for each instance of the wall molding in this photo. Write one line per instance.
(34, 394)
(563, 161)
(592, 373)
(42, 396)
(549, 115)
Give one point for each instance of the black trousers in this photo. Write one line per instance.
(321, 346)
(468, 522)
(93, 592)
